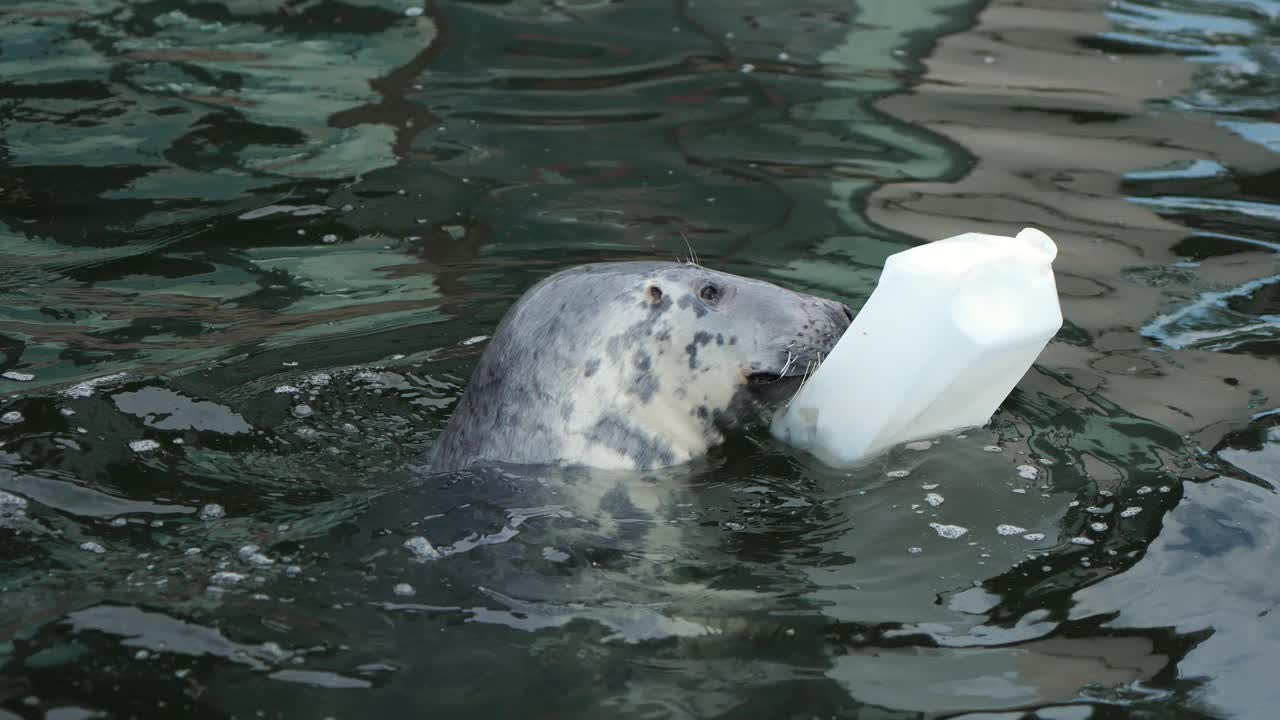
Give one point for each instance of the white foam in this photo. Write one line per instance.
(88, 387)
(421, 548)
(950, 532)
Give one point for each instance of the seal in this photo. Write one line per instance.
(633, 366)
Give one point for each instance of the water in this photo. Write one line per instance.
(250, 251)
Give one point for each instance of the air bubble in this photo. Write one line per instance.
(404, 590)
(301, 411)
(13, 417)
(212, 511)
(1010, 530)
(1130, 512)
(934, 499)
(250, 555)
(92, 547)
(17, 376)
(142, 446)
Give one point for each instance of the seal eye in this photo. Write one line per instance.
(710, 294)
(655, 293)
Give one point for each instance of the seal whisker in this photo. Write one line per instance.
(693, 255)
(787, 366)
(803, 379)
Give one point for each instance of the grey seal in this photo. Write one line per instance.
(633, 366)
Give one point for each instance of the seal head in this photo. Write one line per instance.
(633, 366)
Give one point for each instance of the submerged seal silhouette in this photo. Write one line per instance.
(633, 366)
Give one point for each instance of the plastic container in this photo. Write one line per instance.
(948, 332)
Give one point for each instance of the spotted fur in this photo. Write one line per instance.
(630, 366)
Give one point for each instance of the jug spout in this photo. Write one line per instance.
(1038, 243)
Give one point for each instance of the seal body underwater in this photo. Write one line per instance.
(633, 366)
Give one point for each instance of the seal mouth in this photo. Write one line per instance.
(770, 387)
(766, 379)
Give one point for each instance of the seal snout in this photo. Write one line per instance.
(840, 317)
(827, 329)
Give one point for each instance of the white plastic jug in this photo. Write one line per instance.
(948, 332)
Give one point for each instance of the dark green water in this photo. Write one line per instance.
(271, 238)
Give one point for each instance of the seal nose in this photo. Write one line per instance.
(848, 312)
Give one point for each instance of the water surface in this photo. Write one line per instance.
(250, 252)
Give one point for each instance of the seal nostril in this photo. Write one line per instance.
(847, 311)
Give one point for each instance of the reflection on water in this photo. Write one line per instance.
(249, 252)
